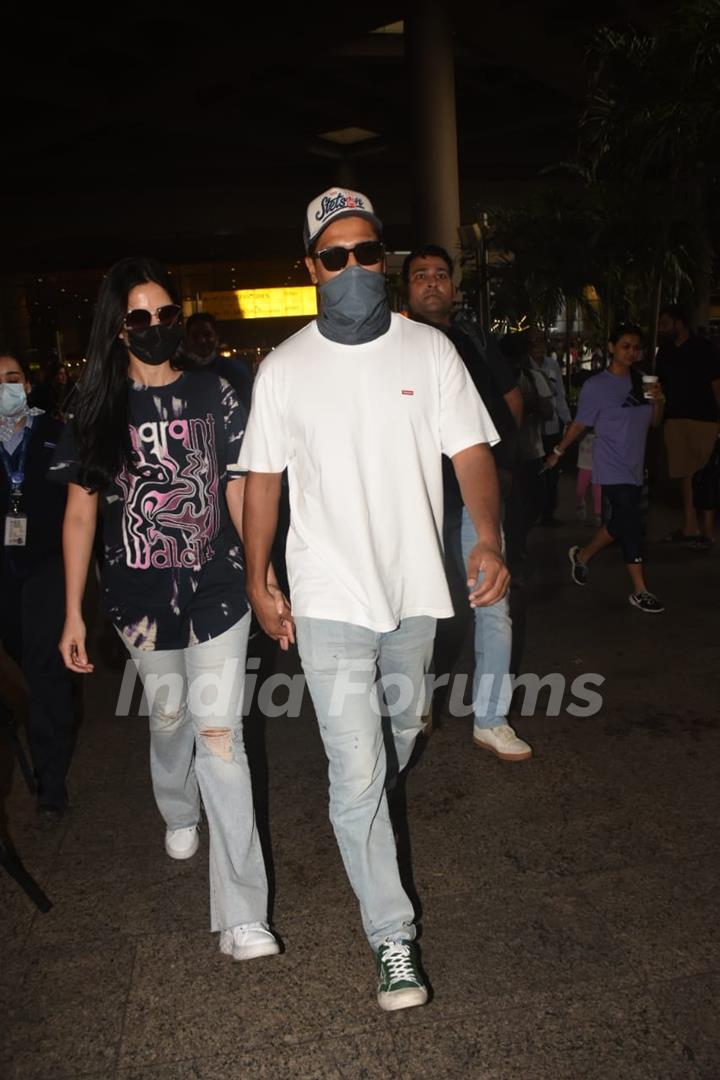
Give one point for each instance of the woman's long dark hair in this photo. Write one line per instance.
(636, 371)
(100, 403)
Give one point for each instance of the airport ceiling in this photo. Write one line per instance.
(200, 135)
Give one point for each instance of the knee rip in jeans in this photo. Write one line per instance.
(167, 718)
(219, 742)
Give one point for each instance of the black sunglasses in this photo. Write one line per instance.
(140, 318)
(366, 253)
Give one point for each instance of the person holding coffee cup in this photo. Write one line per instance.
(620, 404)
(649, 381)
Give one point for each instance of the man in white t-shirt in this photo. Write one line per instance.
(360, 406)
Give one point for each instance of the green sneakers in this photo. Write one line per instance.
(400, 984)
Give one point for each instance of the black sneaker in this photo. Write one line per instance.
(400, 985)
(703, 543)
(48, 817)
(580, 571)
(645, 601)
(677, 536)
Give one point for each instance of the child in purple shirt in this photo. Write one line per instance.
(620, 409)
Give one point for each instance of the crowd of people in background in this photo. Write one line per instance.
(369, 437)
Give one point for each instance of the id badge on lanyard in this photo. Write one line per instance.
(15, 529)
(16, 522)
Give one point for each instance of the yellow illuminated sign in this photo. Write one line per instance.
(261, 303)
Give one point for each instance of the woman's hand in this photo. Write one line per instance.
(72, 646)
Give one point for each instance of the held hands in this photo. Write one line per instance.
(551, 460)
(72, 646)
(486, 564)
(272, 611)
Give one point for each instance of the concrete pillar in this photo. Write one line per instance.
(431, 109)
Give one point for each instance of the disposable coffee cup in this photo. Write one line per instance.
(648, 381)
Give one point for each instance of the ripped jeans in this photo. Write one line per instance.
(195, 702)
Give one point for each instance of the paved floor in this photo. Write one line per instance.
(569, 904)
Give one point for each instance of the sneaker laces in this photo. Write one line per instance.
(399, 963)
(249, 928)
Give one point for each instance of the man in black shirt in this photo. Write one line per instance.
(427, 276)
(689, 371)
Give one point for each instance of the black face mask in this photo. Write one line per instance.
(156, 344)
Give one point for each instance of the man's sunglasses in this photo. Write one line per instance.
(366, 253)
(140, 318)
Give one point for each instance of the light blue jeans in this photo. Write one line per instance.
(492, 689)
(340, 661)
(195, 700)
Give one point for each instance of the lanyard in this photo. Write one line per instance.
(16, 475)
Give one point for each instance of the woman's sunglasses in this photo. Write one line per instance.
(140, 318)
(367, 253)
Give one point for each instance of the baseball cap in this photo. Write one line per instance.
(333, 204)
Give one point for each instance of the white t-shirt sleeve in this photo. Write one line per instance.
(265, 447)
(464, 420)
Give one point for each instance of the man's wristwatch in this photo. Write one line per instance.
(557, 451)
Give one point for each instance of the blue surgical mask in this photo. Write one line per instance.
(13, 399)
(354, 307)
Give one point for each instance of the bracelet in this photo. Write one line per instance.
(557, 451)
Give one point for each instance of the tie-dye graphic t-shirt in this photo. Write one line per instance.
(173, 572)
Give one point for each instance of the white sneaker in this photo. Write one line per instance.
(248, 942)
(182, 843)
(503, 742)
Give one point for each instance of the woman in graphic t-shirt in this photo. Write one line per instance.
(621, 409)
(158, 448)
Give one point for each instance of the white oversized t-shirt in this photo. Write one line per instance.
(361, 429)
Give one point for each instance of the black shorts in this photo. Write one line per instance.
(622, 516)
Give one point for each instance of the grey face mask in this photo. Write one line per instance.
(354, 307)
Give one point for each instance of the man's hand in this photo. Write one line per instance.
(272, 611)
(488, 564)
(551, 460)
